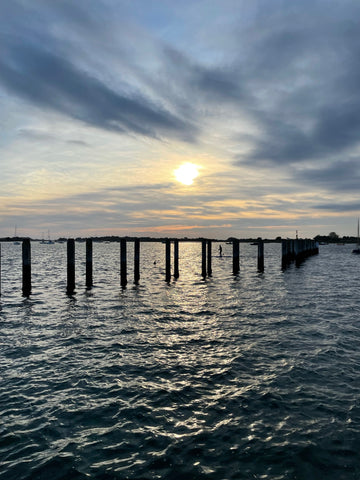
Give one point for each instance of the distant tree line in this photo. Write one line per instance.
(332, 237)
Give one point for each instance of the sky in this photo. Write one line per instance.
(102, 101)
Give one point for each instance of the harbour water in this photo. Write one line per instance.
(254, 376)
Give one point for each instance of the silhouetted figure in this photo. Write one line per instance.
(220, 250)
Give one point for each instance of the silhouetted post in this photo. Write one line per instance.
(209, 269)
(316, 247)
(70, 266)
(26, 267)
(236, 257)
(203, 258)
(176, 258)
(89, 263)
(123, 264)
(292, 246)
(301, 250)
(297, 251)
(167, 260)
(136, 261)
(260, 255)
(284, 253)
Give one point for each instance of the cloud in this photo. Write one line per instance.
(340, 176)
(302, 70)
(47, 80)
(339, 207)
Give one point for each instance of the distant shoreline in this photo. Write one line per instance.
(114, 238)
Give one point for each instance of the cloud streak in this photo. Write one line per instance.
(53, 82)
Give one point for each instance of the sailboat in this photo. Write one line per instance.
(357, 249)
(16, 242)
(48, 241)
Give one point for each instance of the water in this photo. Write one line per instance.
(247, 377)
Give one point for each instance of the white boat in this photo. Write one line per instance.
(357, 249)
(48, 241)
(16, 242)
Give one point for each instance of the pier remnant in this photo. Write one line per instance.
(297, 250)
(260, 259)
(123, 263)
(176, 258)
(89, 263)
(136, 261)
(26, 267)
(203, 258)
(285, 253)
(167, 260)
(292, 250)
(70, 266)
(236, 257)
(209, 268)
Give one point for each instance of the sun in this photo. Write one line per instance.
(186, 173)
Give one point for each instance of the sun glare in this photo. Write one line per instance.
(186, 173)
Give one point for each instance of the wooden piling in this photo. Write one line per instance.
(89, 263)
(297, 252)
(209, 268)
(123, 263)
(260, 255)
(316, 248)
(236, 257)
(26, 267)
(176, 258)
(167, 260)
(70, 266)
(285, 257)
(203, 258)
(136, 261)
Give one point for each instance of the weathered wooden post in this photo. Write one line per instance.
(292, 249)
(70, 266)
(203, 258)
(209, 268)
(302, 249)
(123, 263)
(176, 258)
(260, 255)
(89, 263)
(236, 257)
(284, 253)
(26, 267)
(167, 260)
(316, 247)
(297, 252)
(136, 261)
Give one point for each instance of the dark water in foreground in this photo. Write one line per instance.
(248, 377)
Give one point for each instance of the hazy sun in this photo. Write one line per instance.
(186, 173)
